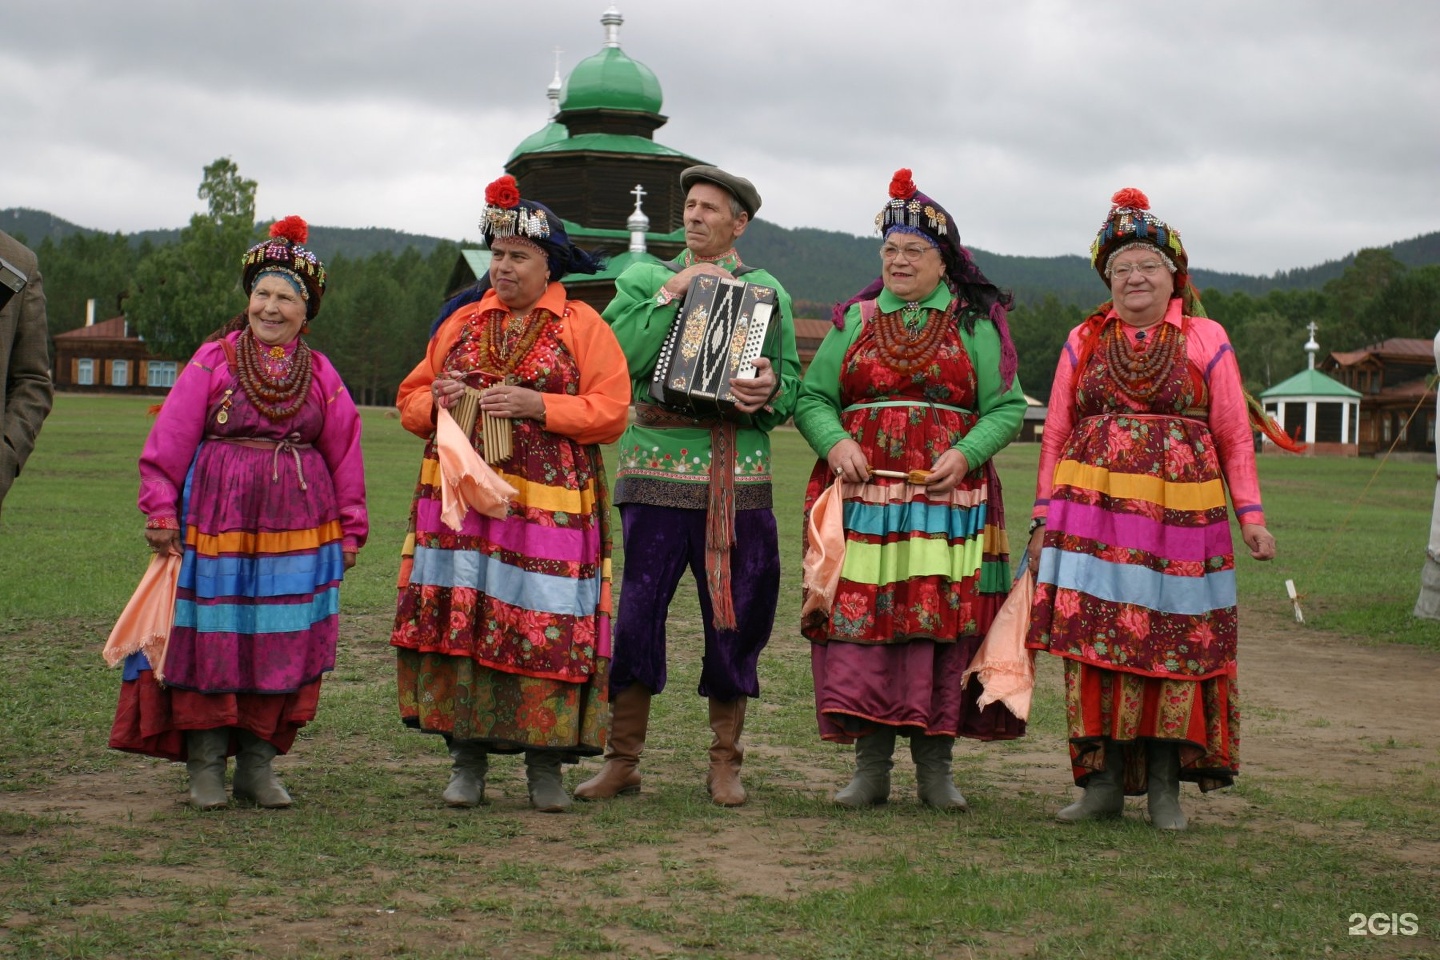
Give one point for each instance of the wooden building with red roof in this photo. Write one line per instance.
(1396, 382)
(107, 357)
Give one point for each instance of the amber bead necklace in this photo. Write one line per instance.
(1138, 370)
(905, 342)
(505, 346)
(276, 396)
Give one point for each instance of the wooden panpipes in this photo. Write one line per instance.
(497, 440)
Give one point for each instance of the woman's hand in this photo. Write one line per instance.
(1032, 550)
(752, 393)
(514, 403)
(949, 469)
(1259, 540)
(163, 542)
(349, 558)
(446, 391)
(847, 461)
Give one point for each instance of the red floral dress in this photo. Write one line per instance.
(1136, 588)
(923, 576)
(502, 628)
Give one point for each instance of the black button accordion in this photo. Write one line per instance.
(719, 331)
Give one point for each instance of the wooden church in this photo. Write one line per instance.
(597, 164)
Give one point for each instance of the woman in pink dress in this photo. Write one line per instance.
(1148, 427)
(253, 474)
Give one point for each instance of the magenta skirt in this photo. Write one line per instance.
(913, 686)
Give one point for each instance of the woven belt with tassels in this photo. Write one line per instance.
(720, 513)
(285, 445)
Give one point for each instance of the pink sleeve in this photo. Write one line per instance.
(177, 432)
(1209, 349)
(339, 444)
(1059, 422)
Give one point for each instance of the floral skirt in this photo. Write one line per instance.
(508, 712)
(1202, 716)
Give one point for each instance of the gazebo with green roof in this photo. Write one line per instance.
(1322, 412)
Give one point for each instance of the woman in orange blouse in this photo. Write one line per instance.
(503, 627)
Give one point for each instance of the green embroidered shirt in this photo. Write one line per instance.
(671, 466)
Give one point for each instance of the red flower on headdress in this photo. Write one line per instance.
(503, 193)
(1132, 198)
(901, 186)
(292, 228)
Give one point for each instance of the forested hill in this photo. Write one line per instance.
(825, 266)
(36, 225)
(817, 266)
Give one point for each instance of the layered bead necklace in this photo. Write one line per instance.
(908, 339)
(277, 387)
(505, 346)
(1140, 371)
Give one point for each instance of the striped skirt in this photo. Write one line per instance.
(921, 582)
(256, 609)
(1136, 590)
(503, 627)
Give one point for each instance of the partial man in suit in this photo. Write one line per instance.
(26, 393)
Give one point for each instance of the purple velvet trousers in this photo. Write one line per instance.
(660, 543)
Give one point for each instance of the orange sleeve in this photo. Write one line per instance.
(414, 399)
(599, 413)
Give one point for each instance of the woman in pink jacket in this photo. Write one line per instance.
(253, 474)
(1148, 426)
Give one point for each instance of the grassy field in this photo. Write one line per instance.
(99, 857)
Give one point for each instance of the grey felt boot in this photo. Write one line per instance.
(255, 778)
(933, 782)
(1163, 760)
(1104, 795)
(467, 773)
(206, 766)
(542, 776)
(870, 786)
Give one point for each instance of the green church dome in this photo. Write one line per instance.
(610, 80)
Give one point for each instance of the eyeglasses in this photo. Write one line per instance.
(1146, 268)
(911, 252)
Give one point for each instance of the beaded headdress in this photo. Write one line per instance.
(1130, 221)
(908, 207)
(509, 216)
(910, 211)
(283, 254)
(506, 215)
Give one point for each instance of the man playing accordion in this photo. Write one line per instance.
(695, 493)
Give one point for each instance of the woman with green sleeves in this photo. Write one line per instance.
(905, 403)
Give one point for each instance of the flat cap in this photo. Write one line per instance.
(738, 187)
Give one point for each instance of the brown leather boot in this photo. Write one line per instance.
(727, 720)
(629, 719)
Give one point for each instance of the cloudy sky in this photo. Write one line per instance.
(1273, 133)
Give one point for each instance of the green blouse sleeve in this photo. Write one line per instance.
(817, 411)
(1001, 411)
